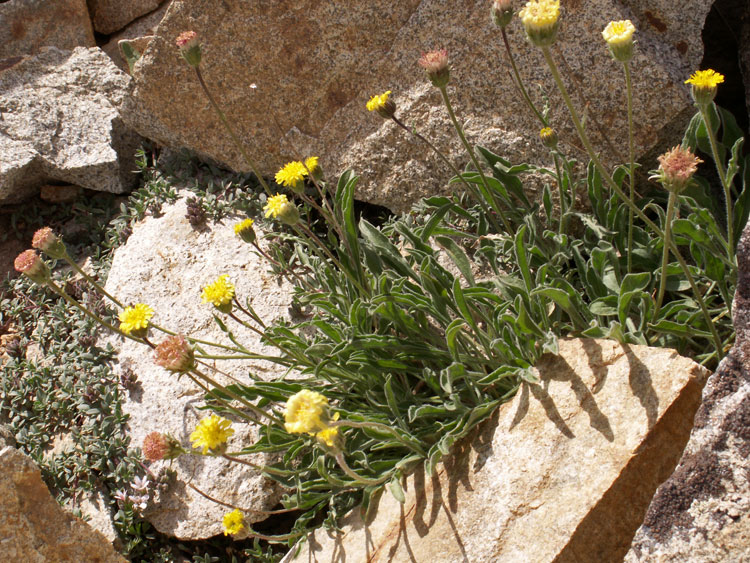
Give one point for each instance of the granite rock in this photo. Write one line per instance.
(702, 512)
(34, 528)
(164, 264)
(29, 25)
(138, 33)
(314, 66)
(59, 123)
(109, 16)
(564, 472)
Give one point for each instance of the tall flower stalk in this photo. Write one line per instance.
(704, 84)
(619, 38)
(541, 21)
(435, 64)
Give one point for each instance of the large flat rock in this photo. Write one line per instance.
(315, 65)
(165, 263)
(564, 472)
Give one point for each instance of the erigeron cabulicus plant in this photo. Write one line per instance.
(400, 356)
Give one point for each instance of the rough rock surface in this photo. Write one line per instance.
(34, 528)
(702, 512)
(564, 472)
(109, 16)
(138, 33)
(59, 123)
(315, 66)
(164, 264)
(28, 25)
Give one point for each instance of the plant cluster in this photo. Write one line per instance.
(416, 331)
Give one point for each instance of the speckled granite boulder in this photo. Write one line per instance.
(109, 16)
(59, 123)
(28, 25)
(564, 472)
(315, 65)
(702, 512)
(34, 528)
(164, 264)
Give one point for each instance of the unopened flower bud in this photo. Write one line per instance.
(48, 242)
(704, 83)
(244, 230)
(501, 12)
(619, 38)
(288, 214)
(190, 47)
(435, 64)
(548, 137)
(541, 19)
(175, 354)
(31, 264)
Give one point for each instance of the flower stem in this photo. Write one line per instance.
(258, 412)
(91, 280)
(472, 190)
(356, 476)
(665, 254)
(232, 134)
(631, 154)
(519, 81)
(723, 177)
(470, 150)
(383, 428)
(641, 215)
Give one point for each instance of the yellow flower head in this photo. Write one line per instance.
(619, 32)
(211, 433)
(220, 293)
(708, 78)
(619, 38)
(377, 103)
(704, 84)
(304, 411)
(540, 19)
(312, 164)
(243, 226)
(329, 436)
(233, 522)
(274, 205)
(292, 175)
(135, 318)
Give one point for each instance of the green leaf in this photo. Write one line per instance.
(394, 486)
(459, 258)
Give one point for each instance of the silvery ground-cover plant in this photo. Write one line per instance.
(416, 330)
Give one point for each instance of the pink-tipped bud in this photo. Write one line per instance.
(175, 354)
(31, 264)
(190, 47)
(48, 242)
(676, 169)
(158, 446)
(435, 64)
